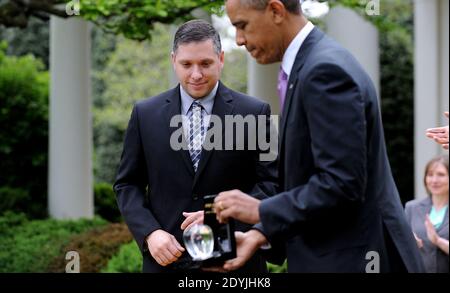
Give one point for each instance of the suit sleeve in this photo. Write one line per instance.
(408, 213)
(131, 183)
(266, 160)
(335, 116)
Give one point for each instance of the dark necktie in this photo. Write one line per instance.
(196, 133)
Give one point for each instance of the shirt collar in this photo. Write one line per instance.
(294, 47)
(206, 102)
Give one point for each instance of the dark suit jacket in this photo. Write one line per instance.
(155, 183)
(340, 200)
(435, 260)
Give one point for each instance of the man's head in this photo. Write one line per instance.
(265, 27)
(197, 57)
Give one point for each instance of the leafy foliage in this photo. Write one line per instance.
(134, 19)
(271, 268)
(34, 40)
(95, 248)
(127, 260)
(397, 95)
(29, 246)
(135, 70)
(105, 202)
(24, 137)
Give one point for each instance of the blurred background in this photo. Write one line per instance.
(70, 72)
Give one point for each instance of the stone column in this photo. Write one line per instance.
(70, 138)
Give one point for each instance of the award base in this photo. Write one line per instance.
(223, 237)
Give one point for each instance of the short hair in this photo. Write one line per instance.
(293, 6)
(195, 31)
(443, 159)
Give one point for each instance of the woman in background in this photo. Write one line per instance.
(429, 217)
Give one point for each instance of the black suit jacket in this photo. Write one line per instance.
(155, 183)
(340, 201)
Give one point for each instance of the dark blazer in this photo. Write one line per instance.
(435, 260)
(155, 183)
(340, 200)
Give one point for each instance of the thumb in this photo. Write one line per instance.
(178, 245)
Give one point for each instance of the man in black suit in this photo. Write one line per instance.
(339, 210)
(158, 183)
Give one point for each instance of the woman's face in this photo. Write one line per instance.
(436, 179)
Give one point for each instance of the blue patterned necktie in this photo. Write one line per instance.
(196, 133)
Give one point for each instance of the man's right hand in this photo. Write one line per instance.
(163, 247)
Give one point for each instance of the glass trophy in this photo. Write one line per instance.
(210, 243)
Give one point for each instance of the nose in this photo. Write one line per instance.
(196, 73)
(240, 39)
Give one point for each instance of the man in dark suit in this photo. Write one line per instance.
(339, 210)
(157, 182)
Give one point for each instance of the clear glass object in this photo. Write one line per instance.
(199, 241)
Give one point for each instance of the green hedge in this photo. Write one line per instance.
(277, 269)
(24, 134)
(95, 248)
(128, 260)
(30, 246)
(105, 202)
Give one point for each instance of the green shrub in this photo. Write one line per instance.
(95, 248)
(128, 260)
(277, 269)
(105, 202)
(24, 132)
(13, 199)
(29, 246)
(10, 220)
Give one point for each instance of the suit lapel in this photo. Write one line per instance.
(173, 107)
(315, 35)
(222, 106)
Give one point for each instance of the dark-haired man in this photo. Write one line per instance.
(158, 184)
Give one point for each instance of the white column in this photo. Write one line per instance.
(70, 162)
(358, 36)
(444, 58)
(427, 92)
(262, 82)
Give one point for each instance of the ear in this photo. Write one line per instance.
(222, 59)
(172, 57)
(277, 11)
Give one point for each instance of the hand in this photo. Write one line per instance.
(431, 232)
(246, 245)
(418, 241)
(238, 205)
(163, 247)
(192, 219)
(440, 134)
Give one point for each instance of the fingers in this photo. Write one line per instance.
(164, 248)
(445, 146)
(437, 129)
(214, 269)
(446, 114)
(188, 221)
(233, 264)
(192, 219)
(178, 245)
